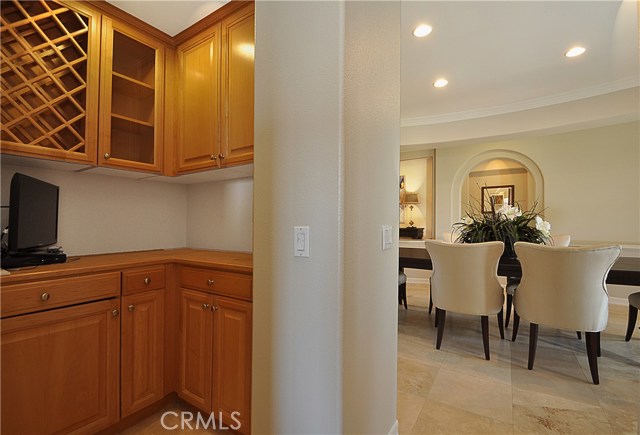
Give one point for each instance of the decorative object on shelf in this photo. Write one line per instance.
(410, 198)
(507, 223)
(402, 192)
(498, 196)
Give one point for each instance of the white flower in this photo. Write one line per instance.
(467, 220)
(509, 212)
(543, 226)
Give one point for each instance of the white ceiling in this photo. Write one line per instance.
(500, 57)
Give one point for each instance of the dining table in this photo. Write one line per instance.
(625, 271)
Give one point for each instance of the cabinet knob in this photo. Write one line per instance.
(147, 281)
(213, 157)
(210, 282)
(107, 155)
(205, 306)
(131, 307)
(221, 156)
(213, 308)
(115, 313)
(44, 296)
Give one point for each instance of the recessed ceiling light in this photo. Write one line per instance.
(575, 51)
(422, 30)
(440, 83)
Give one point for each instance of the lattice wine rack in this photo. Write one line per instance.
(45, 78)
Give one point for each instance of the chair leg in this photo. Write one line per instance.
(402, 294)
(440, 316)
(592, 348)
(484, 321)
(631, 323)
(500, 325)
(533, 344)
(516, 325)
(509, 304)
(579, 334)
(599, 353)
(430, 303)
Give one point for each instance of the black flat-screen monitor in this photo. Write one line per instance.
(33, 214)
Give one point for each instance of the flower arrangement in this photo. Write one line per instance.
(508, 224)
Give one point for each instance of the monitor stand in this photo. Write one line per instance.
(24, 259)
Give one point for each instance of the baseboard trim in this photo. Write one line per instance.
(394, 428)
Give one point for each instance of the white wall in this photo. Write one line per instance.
(297, 374)
(591, 181)
(371, 165)
(220, 215)
(101, 214)
(324, 336)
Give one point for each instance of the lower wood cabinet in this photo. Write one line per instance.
(142, 350)
(60, 370)
(215, 356)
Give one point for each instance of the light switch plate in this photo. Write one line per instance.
(301, 241)
(387, 237)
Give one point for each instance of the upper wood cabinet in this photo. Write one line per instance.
(198, 100)
(215, 94)
(238, 40)
(50, 70)
(131, 99)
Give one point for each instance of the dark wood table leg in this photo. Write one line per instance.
(631, 323)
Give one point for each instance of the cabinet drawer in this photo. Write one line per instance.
(142, 279)
(231, 284)
(42, 295)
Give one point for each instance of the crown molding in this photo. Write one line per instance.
(535, 103)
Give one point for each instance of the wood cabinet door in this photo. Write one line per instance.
(232, 362)
(237, 86)
(196, 348)
(142, 350)
(199, 101)
(60, 370)
(131, 99)
(50, 70)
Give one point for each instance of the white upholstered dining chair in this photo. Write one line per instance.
(465, 281)
(512, 283)
(564, 288)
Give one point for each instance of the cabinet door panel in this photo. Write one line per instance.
(60, 370)
(237, 82)
(50, 69)
(199, 102)
(131, 99)
(142, 350)
(232, 342)
(196, 336)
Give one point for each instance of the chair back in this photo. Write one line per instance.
(564, 287)
(448, 238)
(560, 240)
(464, 278)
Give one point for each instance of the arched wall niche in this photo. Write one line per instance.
(458, 205)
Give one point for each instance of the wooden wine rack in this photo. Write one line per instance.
(49, 84)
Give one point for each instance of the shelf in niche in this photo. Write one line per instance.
(132, 81)
(132, 140)
(132, 100)
(133, 59)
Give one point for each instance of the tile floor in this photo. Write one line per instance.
(454, 390)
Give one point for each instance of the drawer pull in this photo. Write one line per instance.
(147, 281)
(44, 296)
(210, 282)
(115, 313)
(131, 307)
(205, 306)
(213, 308)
